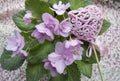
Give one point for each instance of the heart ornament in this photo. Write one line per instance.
(86, 22)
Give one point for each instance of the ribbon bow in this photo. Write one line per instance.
(102, 48)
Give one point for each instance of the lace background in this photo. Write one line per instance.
(110, 63)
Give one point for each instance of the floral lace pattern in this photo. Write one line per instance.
(110, 63)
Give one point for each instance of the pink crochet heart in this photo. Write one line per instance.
(86, 22)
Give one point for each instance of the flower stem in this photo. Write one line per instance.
(98, 64)
(63, 16)
(70, 37)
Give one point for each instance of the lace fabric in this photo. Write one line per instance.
(110, 63)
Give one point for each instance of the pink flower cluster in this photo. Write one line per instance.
(51, 26)
(65, 54)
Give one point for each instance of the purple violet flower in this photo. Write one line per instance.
(64, 28)
(42, 33)
(27, 17)
(16, 45)
(75, 47)
(62, 57)
(50, 22)
(60, 8)
(72, 43)
(48, 66)
(23, 54)
(64, 52)
(77, 53)
(57, 61)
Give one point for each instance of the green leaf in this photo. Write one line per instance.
(37, 7)
(40, 52)
(75, 4)
(62, 17)
(73, 73)
(56, 1)
(26, 35)
(105, 26)
(10, 63)
(36, 72)
(60, 77)
(59, 39)
(91, 59)
(30, 42)
(18, 20)
(84, 68)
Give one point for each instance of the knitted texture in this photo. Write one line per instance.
(86, 22)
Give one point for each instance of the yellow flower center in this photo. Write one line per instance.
(64, 57)
(76, 51)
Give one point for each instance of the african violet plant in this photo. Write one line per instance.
(57, 40)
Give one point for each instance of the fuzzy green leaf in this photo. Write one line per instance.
(105, 26)
(30, 42)
(73, 73)
(36, 72)
(75, 4)
(26, 35)
(18, 20)
(56, 1)
(10, 63)
(60, 77)
(62, 17)
(37, 7)
(40, 52)
(84, 68)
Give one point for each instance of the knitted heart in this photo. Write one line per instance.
(86, 22)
